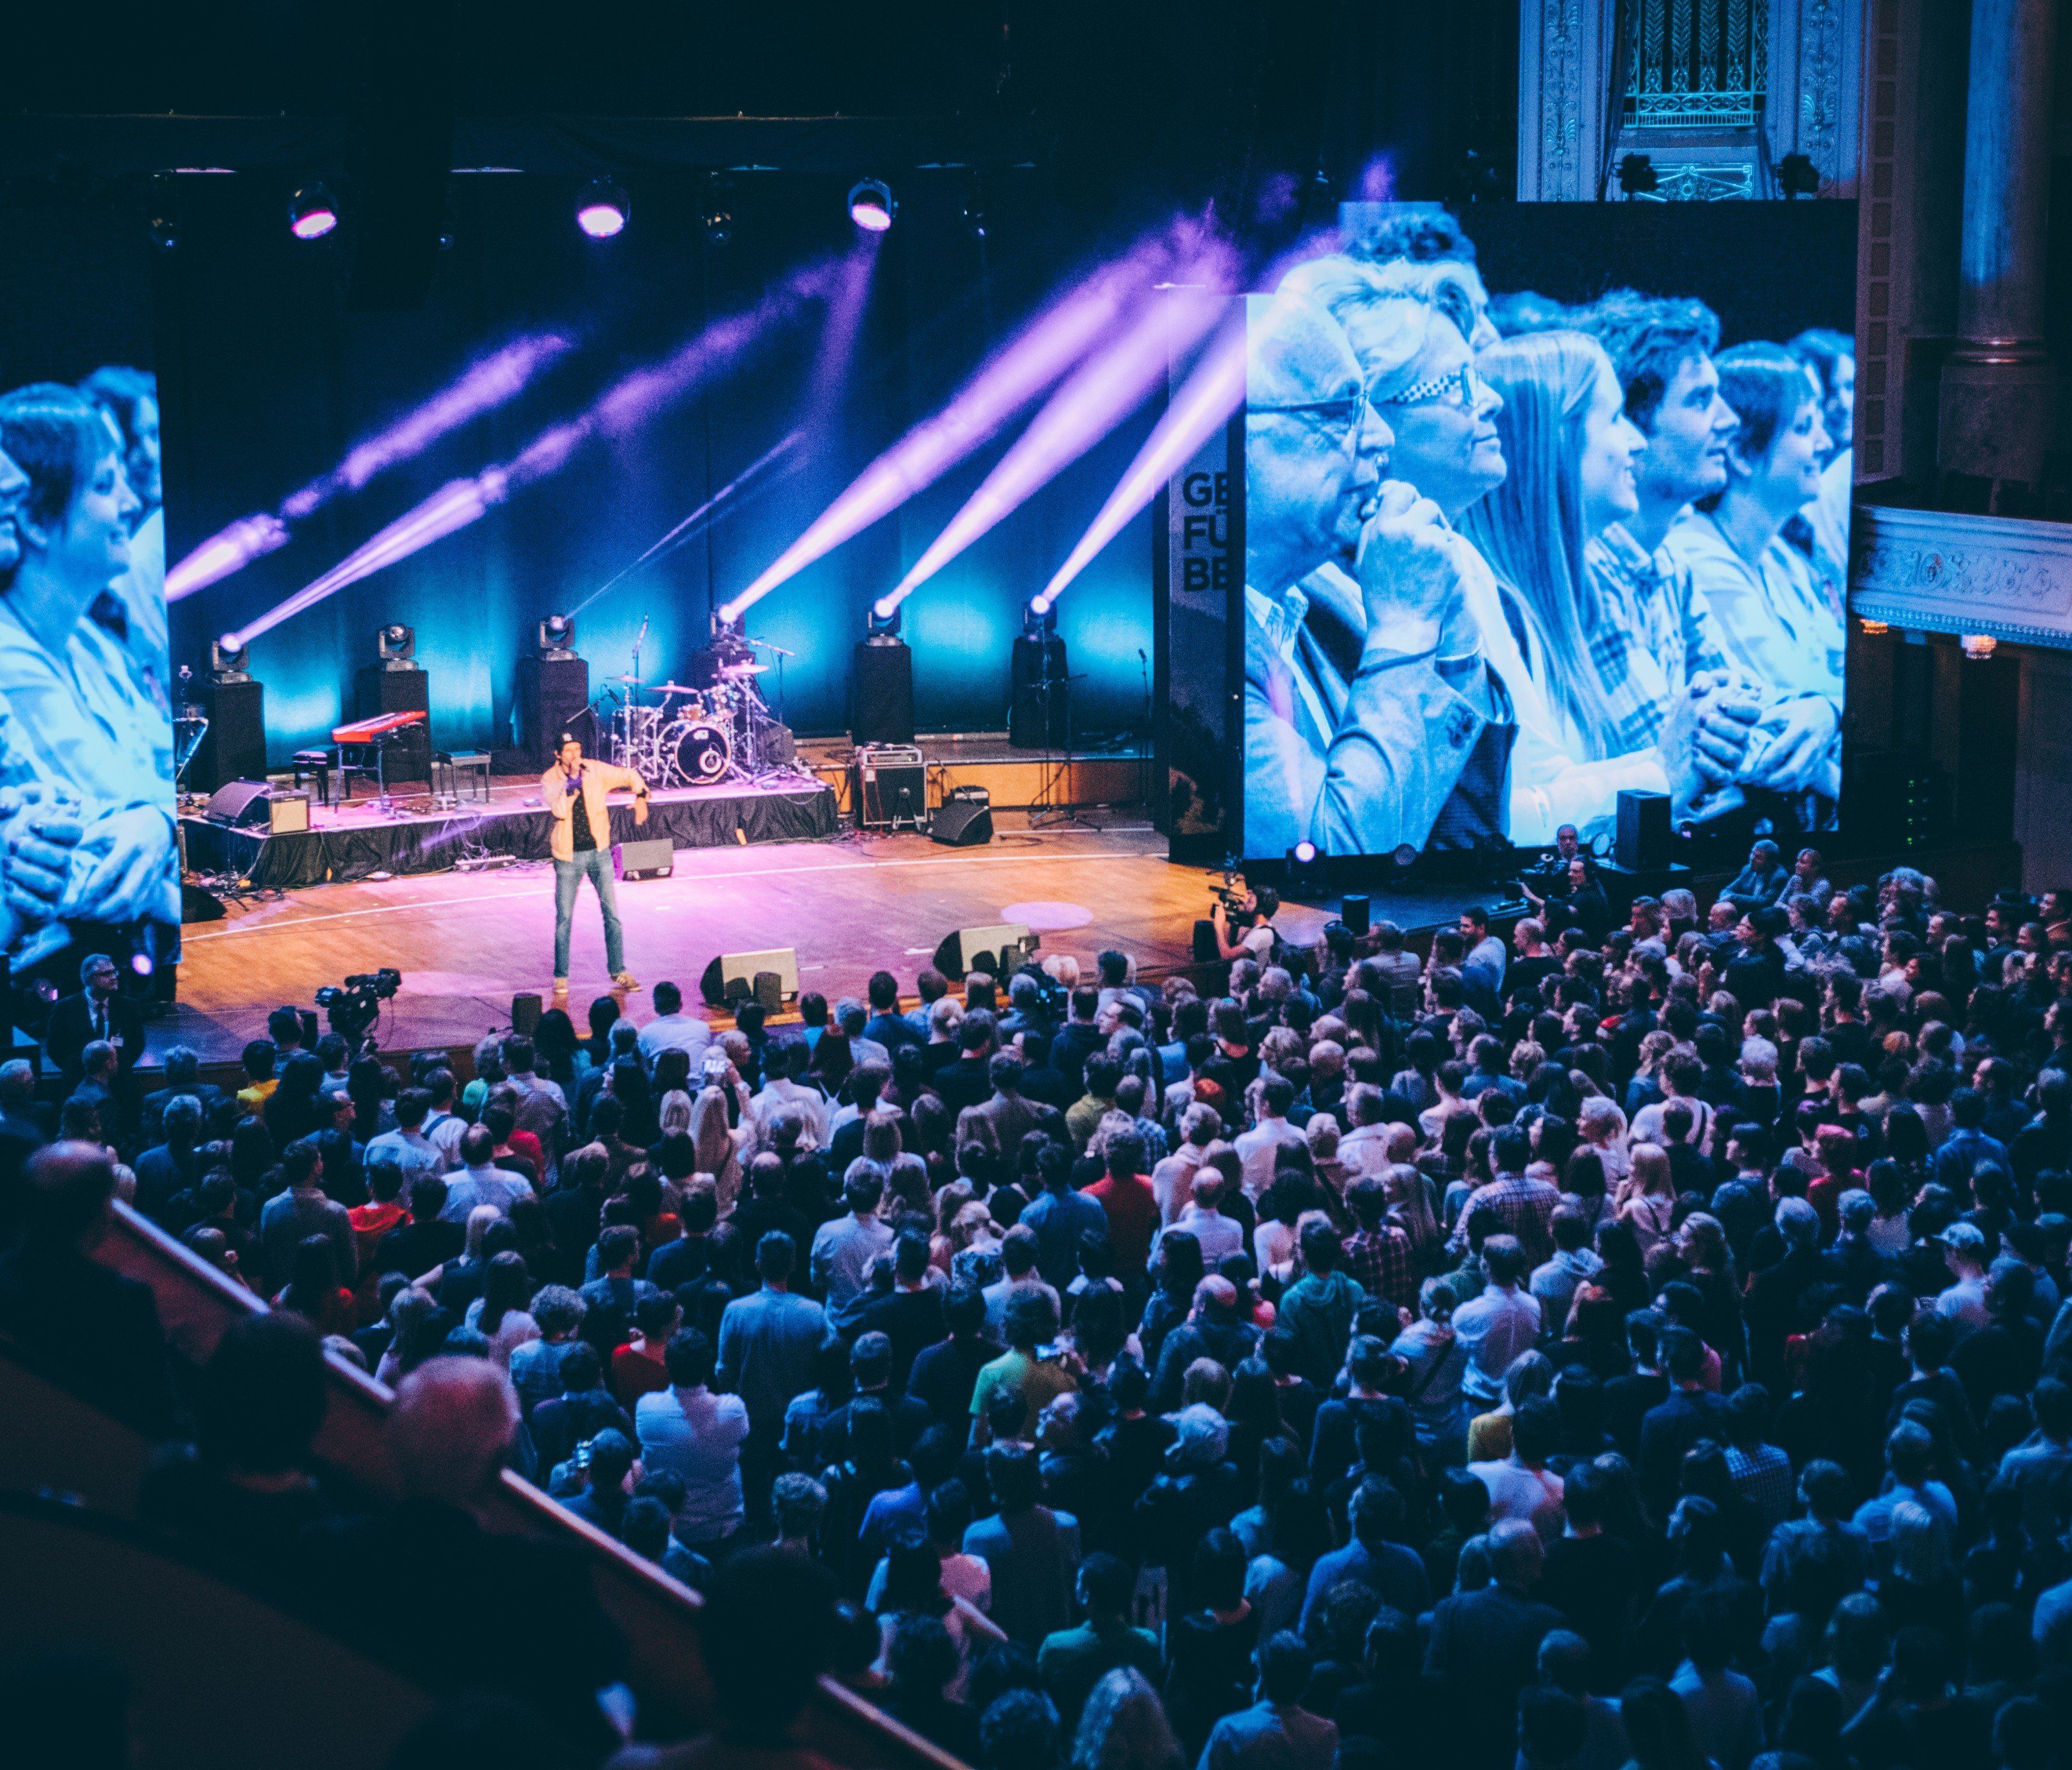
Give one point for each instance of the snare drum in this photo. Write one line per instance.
(700, 751)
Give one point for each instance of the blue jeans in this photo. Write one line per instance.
(594, 864)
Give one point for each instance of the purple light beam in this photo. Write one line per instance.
(1019, 373)
(1104, 390)
(619, 410)
(486, 385)
(1205, 402)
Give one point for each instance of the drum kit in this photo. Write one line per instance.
(698, 734)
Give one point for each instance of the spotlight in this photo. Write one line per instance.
(227, 659)
(311, 213)
(1040, 607)
(557, 636)
(870, 205)
(601, 209)
(143, 964)
(396, 643)
(1979, 647)
(1039, 621)
(1636, 176)
(974, 209)
(884, 618)
(1305, 877)
(1797, 176)
(719, 212)
(1874, 628)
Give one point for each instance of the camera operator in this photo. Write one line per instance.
(1248, 932)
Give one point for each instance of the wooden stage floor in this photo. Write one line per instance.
(466, 943)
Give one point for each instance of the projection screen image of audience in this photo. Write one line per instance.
(86, 742)
(1506, 556)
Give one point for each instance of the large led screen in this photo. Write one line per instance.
(1542, 507)
(88, 861)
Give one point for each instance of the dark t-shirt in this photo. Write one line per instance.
(583, 835)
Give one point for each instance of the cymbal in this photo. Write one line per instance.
(743, 669)
(622, 679)
(673, 688)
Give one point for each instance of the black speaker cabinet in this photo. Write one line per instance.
(1357, 914)
(553, 697)
(241, 805)
(736, 976)
(998, 948)
(883, 684)
(377, 690)
(1643, 841)
(652, 859)
(964, 819)
(235, 744)
(1038, 687)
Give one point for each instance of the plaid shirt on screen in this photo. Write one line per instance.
(1655, 631)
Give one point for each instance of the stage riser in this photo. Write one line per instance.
(1016, 785)
(415, 845)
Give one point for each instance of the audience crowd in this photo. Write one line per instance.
(1647, 1343)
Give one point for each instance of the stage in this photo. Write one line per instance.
(466, 943)
(356, 840)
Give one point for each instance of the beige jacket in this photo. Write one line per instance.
(600, 780)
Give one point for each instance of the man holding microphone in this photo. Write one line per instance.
(577, 791)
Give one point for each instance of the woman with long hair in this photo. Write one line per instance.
(1645, 1201)
(717, 1144)
(501, 1312)
(1570, 450)
(1123, 1727)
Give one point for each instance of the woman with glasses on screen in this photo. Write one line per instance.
(1569, 450)
(1778, 620)
(76, 724)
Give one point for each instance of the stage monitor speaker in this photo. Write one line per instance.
(524, 1014)
(379, 690)
(235, 744)
(553, 697)
(1357, 914)
(1643, 841)
(242, 805)
(964, 819)
(1036, 678)
(1005, 943)
(734, 976)
(287, 814)
(649, 859)
(883, 685)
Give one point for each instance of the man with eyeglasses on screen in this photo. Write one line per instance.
(1348, 743)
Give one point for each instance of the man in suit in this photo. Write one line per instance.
(577, 791)
(1485, 1646)
(97, 1012)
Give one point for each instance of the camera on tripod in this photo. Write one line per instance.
(353, 1008)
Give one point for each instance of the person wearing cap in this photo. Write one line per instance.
(1963, 1302)
(577, 792)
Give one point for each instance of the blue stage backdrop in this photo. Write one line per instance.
(271, 381)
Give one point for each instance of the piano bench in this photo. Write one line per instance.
(471, 771)
(315, 765)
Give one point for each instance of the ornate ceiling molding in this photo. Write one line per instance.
(1942, 573)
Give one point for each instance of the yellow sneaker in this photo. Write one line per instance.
(625, 980)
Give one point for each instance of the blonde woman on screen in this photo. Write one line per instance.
(1570, 451)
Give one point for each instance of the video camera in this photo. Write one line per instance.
(1232, 893)
(355, 1008)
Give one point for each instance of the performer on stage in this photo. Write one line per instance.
(577, 791)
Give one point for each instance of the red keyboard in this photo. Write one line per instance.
(365, 731)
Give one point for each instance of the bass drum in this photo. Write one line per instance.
(699, 751)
